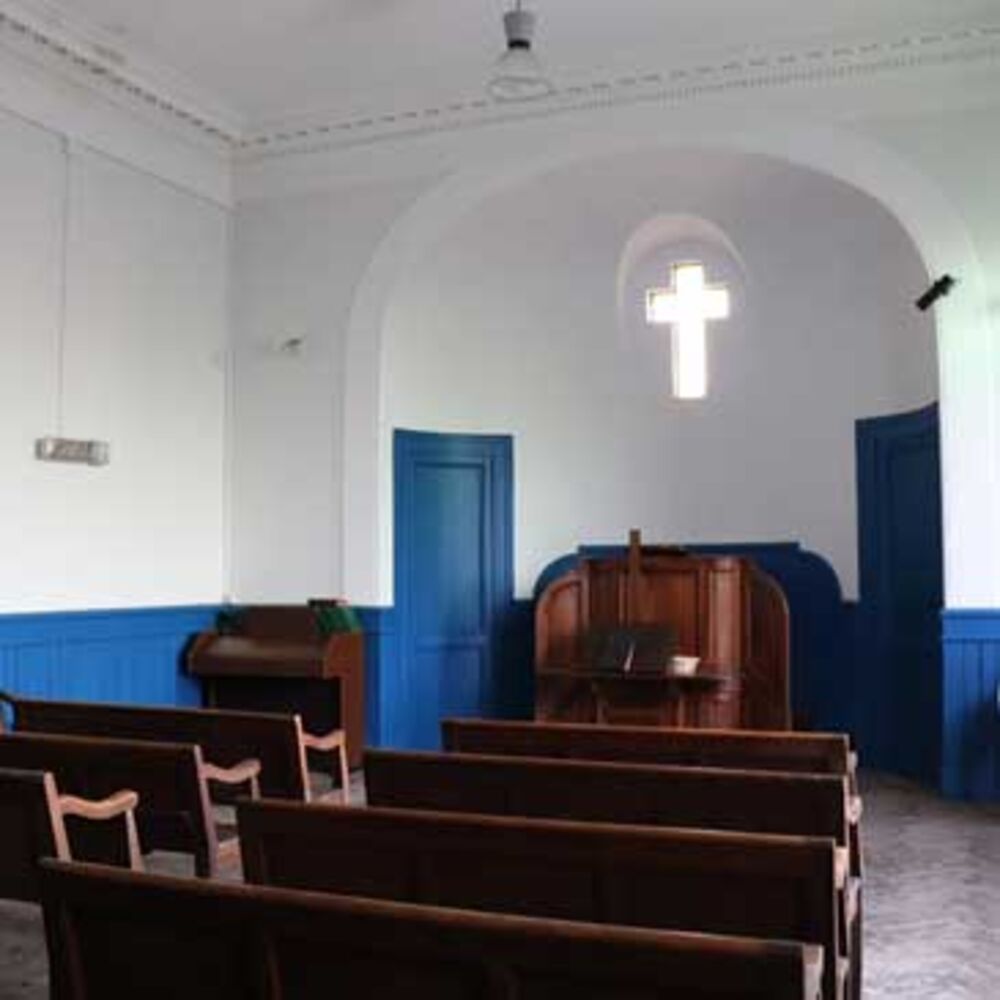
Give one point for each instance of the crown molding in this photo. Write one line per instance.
(956, 48)
(83, 54)
(98, 61)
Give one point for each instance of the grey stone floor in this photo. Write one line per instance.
(932, 901)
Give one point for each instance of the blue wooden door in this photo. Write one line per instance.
(902, 591)
(454, 576)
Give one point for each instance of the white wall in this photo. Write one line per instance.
(510, 324)
(921, 141)
(297, 263)
(146, 324)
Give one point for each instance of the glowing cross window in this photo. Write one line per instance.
(687, 306)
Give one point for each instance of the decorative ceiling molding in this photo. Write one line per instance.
(90, 58)
(957, 47)
(97, 61)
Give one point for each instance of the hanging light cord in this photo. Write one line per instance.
(62, 306)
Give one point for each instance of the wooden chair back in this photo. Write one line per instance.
(725, 883)
(209, 941)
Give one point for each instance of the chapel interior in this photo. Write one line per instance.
(501, 498)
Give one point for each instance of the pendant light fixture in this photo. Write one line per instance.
(56, 448)
(519, 75)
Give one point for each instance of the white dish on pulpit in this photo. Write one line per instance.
(685, 666)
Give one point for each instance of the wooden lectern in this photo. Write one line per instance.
(277, 658)
(723, 610)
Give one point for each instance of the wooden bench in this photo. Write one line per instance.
(807, 753)
(112, 933)
(806, 805)
(754, 885)
(226, 738)
(813, 753)
(171, 780)
(33, 824)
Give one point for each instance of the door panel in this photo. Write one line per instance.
(454, 576)
(902, 590)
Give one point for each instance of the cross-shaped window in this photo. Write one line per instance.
(687, 306)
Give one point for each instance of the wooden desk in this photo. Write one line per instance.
(279, 661)
(669, 699)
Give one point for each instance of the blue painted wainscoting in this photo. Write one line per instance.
(970, 705)
(133, 655)
(383, 703)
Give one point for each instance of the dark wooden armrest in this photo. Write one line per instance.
(842, 866)
(245, 772)
(120, 806)
(332, 740)
(814, 959)
(109, 808)
(852, 899)
(854, 809)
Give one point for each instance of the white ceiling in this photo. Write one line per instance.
(269, 60)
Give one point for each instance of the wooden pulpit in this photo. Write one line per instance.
(723, 610)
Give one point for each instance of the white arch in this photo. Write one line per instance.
(921, 208)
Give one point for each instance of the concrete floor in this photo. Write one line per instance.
(932, 902)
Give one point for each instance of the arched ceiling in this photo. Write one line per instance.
(270, 60)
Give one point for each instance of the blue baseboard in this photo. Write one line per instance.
(132, 655)
(970, 705)
(383, 701)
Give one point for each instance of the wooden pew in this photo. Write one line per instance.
(807, 805)
(226, 738)
(811, 805)
(33, 822)
(815, 753)
(174, 811)
(811, 753)
(753, 885)
(209, 941)
(807, 753)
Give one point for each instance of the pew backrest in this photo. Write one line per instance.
(808, 805)
(32, 828)
(211, 941)
(33, 818)
(816, 753)
(753, 885)
(174, 812)
(226, 737)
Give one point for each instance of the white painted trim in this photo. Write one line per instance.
(69, 44)
(71, 47)
(912, 53)
(33, 94)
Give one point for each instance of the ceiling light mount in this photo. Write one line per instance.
(519, 75)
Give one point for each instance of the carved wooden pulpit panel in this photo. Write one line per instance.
(722, 609)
